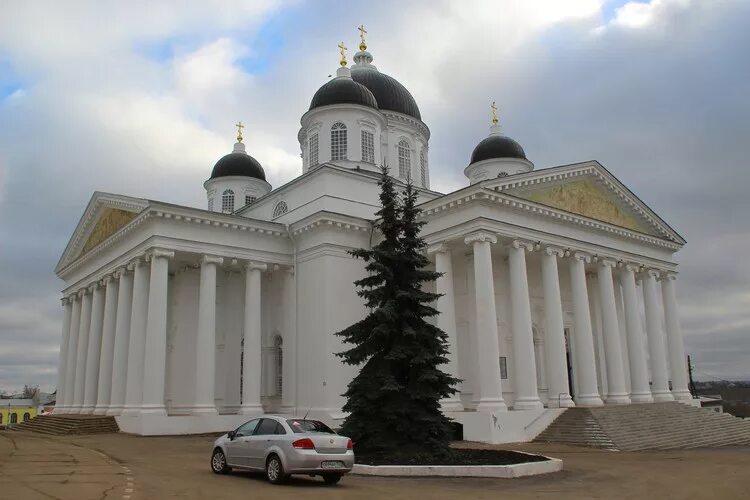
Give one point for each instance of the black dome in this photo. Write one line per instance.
(497, 146)
(390, 94)
(238, 164)
(343, 90)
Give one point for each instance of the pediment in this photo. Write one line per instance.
(589, 190)
(105, 215)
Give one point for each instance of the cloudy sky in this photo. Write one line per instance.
(140, 97)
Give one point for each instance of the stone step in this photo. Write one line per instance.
(62, 425)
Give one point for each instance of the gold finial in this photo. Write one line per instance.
(494, 113)
(342, 49)
(239, 126)
(362, 33)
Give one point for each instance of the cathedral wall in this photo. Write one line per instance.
(182, 330)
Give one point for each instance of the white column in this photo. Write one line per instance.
(70, 372)
(656, 341)
(554, 332)
(83, 345)
(104, 385)
(137, 339)
(155, 361)
(524, 360)
(640, 392)
(446, 320)
(251, 374)
(617, 390)
(67, 303)
(94, 349)
(622, 329)
(205, 346)
(289, 346)
(677, 360)
(584, 339)
(122, 341)
(489, 388)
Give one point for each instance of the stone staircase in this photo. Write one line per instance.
(650, 426)
(69, 424)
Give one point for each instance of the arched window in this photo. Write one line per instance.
(368, 146)
(404, 159)
(279, 355)
(423, 167)
(280, 209)
(26, 417)
(1, 419)
(338, 141)
(210, 204)
(249, 199)
(227, 201)
(313, 150)
(13, 418)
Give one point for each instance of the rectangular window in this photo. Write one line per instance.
(423, 168)
(338, 141)
(313, 150)
(503, 368)
(211, 205)
(249, 199)
(368, 147)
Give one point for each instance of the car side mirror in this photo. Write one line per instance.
(231, 435)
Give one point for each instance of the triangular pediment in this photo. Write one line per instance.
(105, 215)
(588, 190)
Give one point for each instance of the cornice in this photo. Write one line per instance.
(392, 116)
(327, 220)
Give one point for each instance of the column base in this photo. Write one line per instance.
(114, 411)
(523, 404)
(100, 410)
(155, 410)
(87, 410)
(641, 397)
(131, 411)
(589, 400)
(288, 409)
(618, 399)
(662, 397)
(487, 404)
(74, 410)
(204, 410)
(563, 401)
(251, 409)
(682, 395)
(451, 404)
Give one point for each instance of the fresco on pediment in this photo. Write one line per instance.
(587, 198)
(109, 222)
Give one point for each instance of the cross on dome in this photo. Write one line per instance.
(239, 126)
(494, 113)
(362, 33)
(342, 49)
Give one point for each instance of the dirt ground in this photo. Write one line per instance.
(118, 466)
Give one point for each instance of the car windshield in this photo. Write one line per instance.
(299, 426)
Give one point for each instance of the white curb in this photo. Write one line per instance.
(498, 471)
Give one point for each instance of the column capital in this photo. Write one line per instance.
(212, 259)
(93, 286)
(81, 293)
(160, 253)
(523, 244)
(119, 272)
(579, 256)
(67, 299)
(606, 261)
(135, 262)
(668, 276)
(631, 267)
(480, 236)
(553, 250)
(651, 273)
(255, 266)
(438, 248)
(106, 279)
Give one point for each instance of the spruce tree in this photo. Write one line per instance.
(394, 401)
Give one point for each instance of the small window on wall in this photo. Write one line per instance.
(404, 159)
(313, 150)
(227, 201)
(249, 199)
(503, 368)
(280, 209)
(368, 147)
(423, 167)
(26, 417)
(338, 141)
(211, 205)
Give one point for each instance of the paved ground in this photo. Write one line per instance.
(117, 466)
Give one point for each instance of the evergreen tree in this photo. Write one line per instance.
(394, 401)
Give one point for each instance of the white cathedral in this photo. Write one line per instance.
(558, 285)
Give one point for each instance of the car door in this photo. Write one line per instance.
(238, 449)
(260, 441)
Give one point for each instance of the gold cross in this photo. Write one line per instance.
(239, 126)
(362, 33)
(342, 47)
(494, 113)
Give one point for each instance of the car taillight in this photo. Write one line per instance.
(350, 445)
(304, 444)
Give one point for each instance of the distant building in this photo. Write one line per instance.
(13, 411)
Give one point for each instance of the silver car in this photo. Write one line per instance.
(281, 446)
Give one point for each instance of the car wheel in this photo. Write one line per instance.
(332, 478)
(219, 462)
(275, 470)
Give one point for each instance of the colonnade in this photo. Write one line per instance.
(666, 355)
(114, 341)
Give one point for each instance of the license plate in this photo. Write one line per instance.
(332, 464)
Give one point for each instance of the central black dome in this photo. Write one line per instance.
(241, 164)
(390, 94)
(497, 146)
(342, 90)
